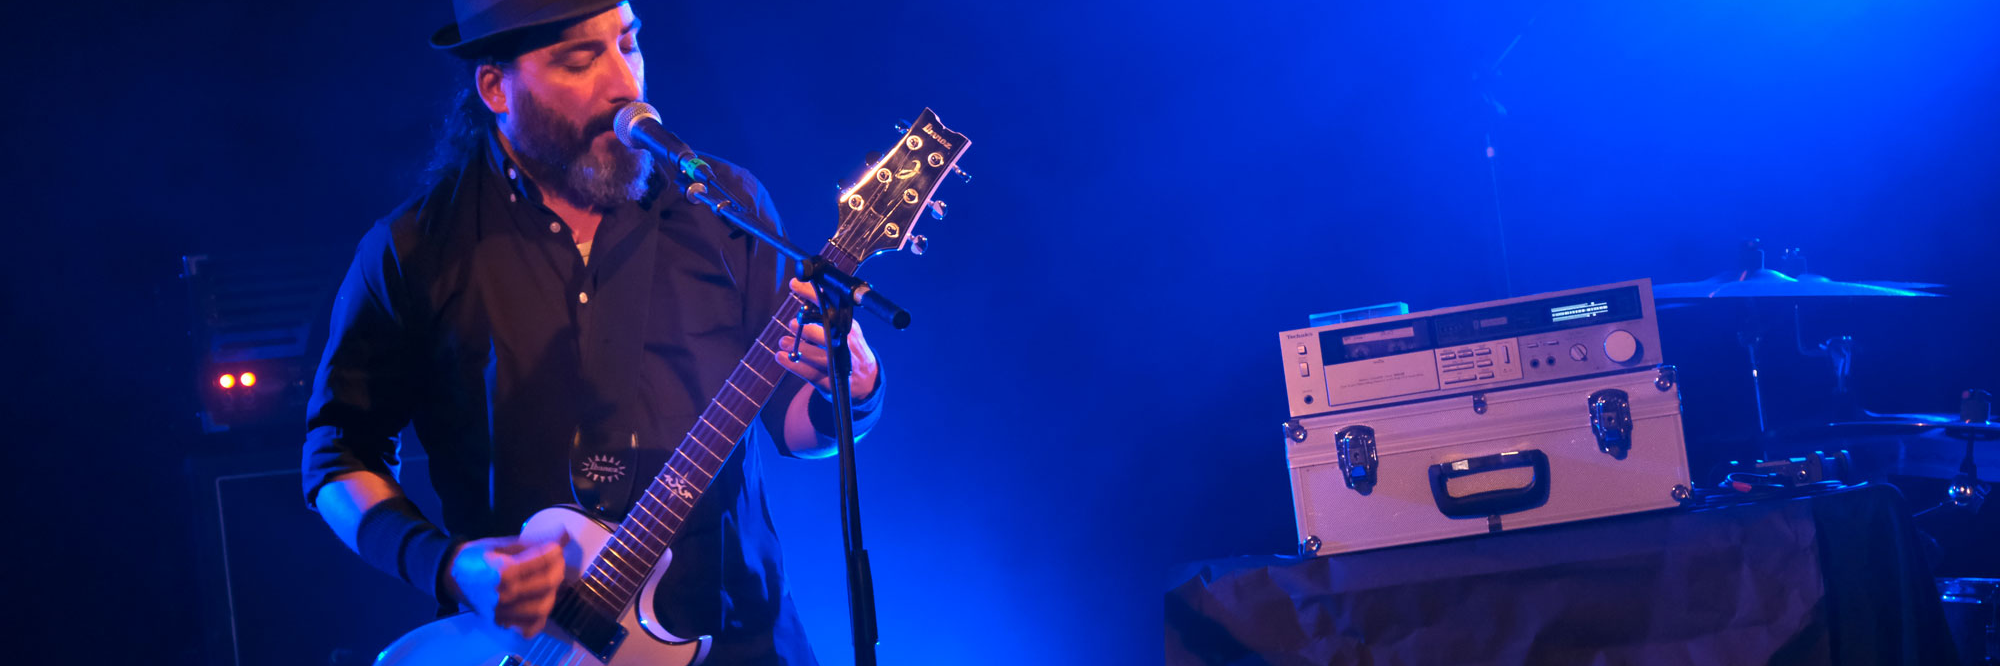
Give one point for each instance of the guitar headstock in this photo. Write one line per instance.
(880, 213)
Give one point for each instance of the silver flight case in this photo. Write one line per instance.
(1486, 462)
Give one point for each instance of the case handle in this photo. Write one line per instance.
(1491, 502)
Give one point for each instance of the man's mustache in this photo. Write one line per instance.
(600, 124)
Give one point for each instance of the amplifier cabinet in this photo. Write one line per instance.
(279, 587)
(1502, 460)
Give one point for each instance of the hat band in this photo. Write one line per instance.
(505, 16)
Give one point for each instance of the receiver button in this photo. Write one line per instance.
(1578, 352)
(1621, 346)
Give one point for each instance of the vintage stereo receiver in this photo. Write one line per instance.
(1468, 349)
(1530, 411)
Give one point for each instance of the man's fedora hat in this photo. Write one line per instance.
(483, 23)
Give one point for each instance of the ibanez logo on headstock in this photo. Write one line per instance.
(880, 212)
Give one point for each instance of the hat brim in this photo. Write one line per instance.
(450, 39)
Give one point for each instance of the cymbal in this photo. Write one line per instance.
(1894, 284)
(1920, 424)
(1922, 445)
(1767, 283)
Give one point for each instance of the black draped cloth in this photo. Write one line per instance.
(1835, 578)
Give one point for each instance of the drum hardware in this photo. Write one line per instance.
(1795, 264)
(1973, 424)
(1753, 282)
(1972, 611)
(1814, 468)
(1965, 491)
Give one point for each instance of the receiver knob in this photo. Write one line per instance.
(1621, 346)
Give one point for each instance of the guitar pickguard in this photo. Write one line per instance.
(469, 640)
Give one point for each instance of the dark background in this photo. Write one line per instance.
(1088, 396)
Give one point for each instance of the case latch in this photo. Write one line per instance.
(1356, 445)
(1611, 421)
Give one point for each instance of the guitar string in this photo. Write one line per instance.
(543, 644)
(730, 406)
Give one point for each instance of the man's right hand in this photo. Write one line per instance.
(509, 581)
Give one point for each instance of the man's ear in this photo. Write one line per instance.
(486, 80)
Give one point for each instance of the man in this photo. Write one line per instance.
(546, 291)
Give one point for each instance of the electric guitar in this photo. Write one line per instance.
(603, 613)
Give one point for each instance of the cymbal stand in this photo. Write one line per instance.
(1966, 491)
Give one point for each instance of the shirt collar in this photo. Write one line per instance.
(519, 187)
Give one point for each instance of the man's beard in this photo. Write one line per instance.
(558, 155)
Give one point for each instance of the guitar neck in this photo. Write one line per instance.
(615, 576)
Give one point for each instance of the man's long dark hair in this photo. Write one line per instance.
(467, 121)
(467, 124)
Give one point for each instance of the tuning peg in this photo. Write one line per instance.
(902, 127)
(962, 175)
(937, 209)
(919, 244)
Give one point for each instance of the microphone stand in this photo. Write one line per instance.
(1487, 79)
(839, 294)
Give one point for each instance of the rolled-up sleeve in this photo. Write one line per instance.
(363, 393)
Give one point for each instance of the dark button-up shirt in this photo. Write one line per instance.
(470, 313)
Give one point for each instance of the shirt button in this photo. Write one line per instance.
(582, 297)
(510, 173)
(555, 228)
(510, 197)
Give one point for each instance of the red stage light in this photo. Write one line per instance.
(249, 379)
(227, 381)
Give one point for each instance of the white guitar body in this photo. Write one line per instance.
(467, 639)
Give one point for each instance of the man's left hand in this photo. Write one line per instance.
(813, 362)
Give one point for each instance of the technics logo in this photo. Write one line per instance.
(603, 468)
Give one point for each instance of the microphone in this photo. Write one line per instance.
(638, 125)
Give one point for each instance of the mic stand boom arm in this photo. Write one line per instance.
(812, 268)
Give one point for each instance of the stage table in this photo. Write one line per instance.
(1830, 578)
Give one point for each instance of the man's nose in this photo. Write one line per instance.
(624, 86)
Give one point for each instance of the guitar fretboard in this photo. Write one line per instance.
(613, 579)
